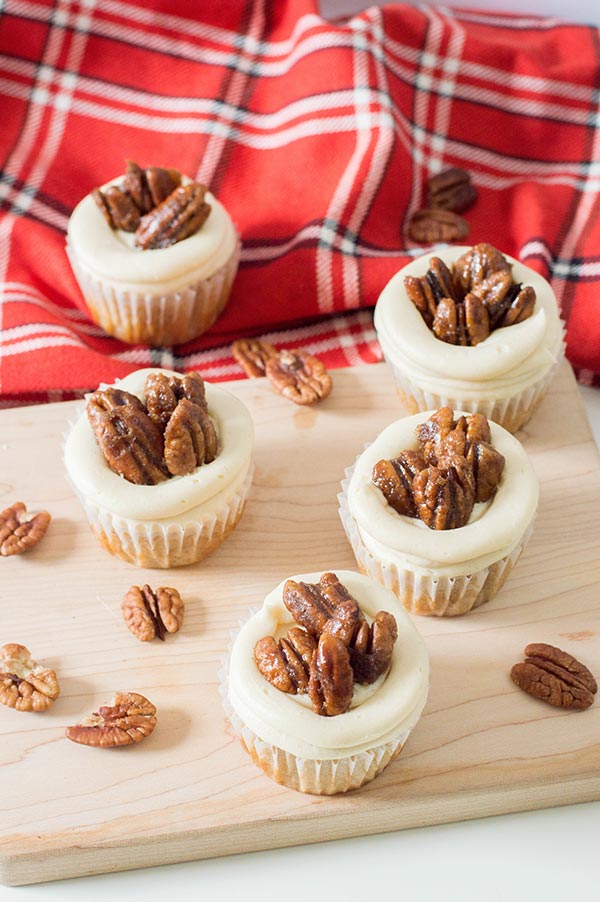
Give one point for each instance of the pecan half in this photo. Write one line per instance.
(298, 376)
(118, 208)
(163, 393)
(252, 355)
(180, 215)
(555, 676)
(331, 683)
(130, 718)
(451, 190)
(478, 264)
(286, 664)
(394, 479)
(432, 433)
(307, 604)
(17, 534)
(150, 614)
(433, 225)
(371, 654)
(24, 684)
(190, 438)
(477, 319)
(521, 308)
(140, 191)
(487, 465)
(443, 499)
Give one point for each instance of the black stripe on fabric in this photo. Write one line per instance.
(53, 203)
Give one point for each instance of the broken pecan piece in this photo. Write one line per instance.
(373, 656)
(180, 215)
(451, 190)
(435, 225)
(130, 718)
(298, 376)
(252, 355)
(286, 664)
(24, 684)
(331, 683)
(555, 676)
(17, 534)
(150, 614)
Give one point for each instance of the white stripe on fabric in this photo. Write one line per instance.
(446, 87)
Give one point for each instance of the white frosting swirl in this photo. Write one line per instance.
(493, 531)
(508, 361)
(176, 499)
(110, 254)
(378, 713)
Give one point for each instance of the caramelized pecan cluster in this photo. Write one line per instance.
(455, 466)
(155, 205)
(170, 435)
(332, 648)
(464, 305)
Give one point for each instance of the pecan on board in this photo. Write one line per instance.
(298, 376)
(128, 719)
(286, 664)
(24, 684)
(252, 355)
(451, 189)
(555, 676)
(17, 534)
(150, 614)
(434, 225)
(180, 215)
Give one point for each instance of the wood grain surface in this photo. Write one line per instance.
(189, 791)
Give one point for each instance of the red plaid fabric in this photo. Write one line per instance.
(318, 137)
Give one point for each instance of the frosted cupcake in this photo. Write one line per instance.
(471, 329)
(439, 508)
(326, 681)
(155, 255)
(162, 465)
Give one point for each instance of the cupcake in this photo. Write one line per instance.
(473, 330)
(326, 681)
(439, 508)
(162, 465)
(155, 255)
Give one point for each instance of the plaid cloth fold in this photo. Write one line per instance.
(318, 137)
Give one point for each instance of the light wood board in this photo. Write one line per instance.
(482, 747)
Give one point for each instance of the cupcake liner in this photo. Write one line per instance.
(150, 543)
(425, 594)
(511, 412)
(311, 775)
(139, 317)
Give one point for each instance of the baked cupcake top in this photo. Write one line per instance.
(378, 710)
(227, 436)
(509, 358)
(493, 528)
(115, 244)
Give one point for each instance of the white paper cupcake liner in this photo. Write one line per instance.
(310, 775)
(425, 594)
(150, 543)
(511, 412)
(139, 317)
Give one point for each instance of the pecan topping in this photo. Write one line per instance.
(298, 376)
(443, 500)
(331, 683)
(149, 614)
(118, 208)
(395, 478)
(190, 438)
(18, 535)
(141, 190)
(286, 664)
(181, 214)
(307, 604)
(371, 654)
(451, 190)
(435, 225)
(24, 684)
(555, 676)
(463, 306)
(252, 355)
(130, 718)
(164, 392)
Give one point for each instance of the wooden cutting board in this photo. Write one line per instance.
(481, 747)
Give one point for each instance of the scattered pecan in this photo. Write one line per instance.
(149, 614)
(286, 664)
(190, 438)
(555, 676)
(252, 355)
(181, 214)
(298, 376)
(371, 654)
(18, 535)
(394, 478)
(433, 225)
(130, 718)
(24, 684)
(451, 190)
(331, 683)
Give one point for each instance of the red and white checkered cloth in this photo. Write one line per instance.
(318, 137)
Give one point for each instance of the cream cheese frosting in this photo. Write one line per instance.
(492, 532)
(508, 361)
(110, 254)
(176, 499)
(379, 713)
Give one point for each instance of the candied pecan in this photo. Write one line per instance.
(161, 183)
(487, 465)
(307, 604)
(331, 682)
(478, 428)
(298, 376)
(149, 614)
(394, 479)
(24, 684)
(190, 439)
(443, 500)
(130, 718)
(373, 655)
(118, 208)
(451, 190)
(333, 590)
(252, 355)
(344, 622)
(148, 188)
(18, 535)
(446, 323)
(163, 392)
(419, 292)
(555, 676)
(521, 307)
(434, 225)
(181, 214)
(286, 664)
(130, 441)
(433, 431)
(439, 278)
(477, 264)
(477, 319)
